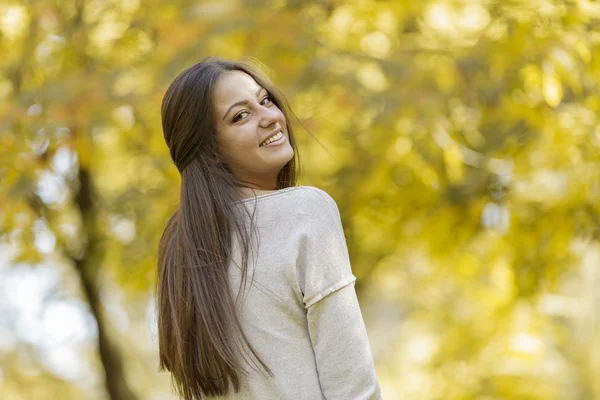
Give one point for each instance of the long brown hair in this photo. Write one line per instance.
(201, 340)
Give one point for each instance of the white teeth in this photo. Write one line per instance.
(272, 139)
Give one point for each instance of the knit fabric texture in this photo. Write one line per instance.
(299, 308)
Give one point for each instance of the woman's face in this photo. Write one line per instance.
(245, 117)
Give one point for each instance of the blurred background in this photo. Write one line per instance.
(460, 140)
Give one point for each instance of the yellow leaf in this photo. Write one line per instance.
(583, 52)
(454, 163)
(372, 77)
(552, 89)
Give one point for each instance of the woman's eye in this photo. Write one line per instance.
(267, 98)
(237, 117)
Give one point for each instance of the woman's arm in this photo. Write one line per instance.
(341, 346)
(335, 324)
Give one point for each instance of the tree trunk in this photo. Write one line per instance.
(87, 269)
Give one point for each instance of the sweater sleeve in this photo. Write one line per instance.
(337, 331)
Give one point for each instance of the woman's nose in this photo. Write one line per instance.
(268, 116)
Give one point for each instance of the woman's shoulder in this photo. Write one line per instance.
(306, 203)
(311, 198)
(315, 207)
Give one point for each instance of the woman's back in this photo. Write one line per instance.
(299, 310)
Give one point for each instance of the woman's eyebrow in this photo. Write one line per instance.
(242, 102)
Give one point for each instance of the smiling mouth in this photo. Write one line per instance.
(272, 139)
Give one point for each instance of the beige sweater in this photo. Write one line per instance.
(301, 312)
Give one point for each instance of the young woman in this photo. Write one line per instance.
(296, 331)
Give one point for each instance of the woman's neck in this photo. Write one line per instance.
(248, 193)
